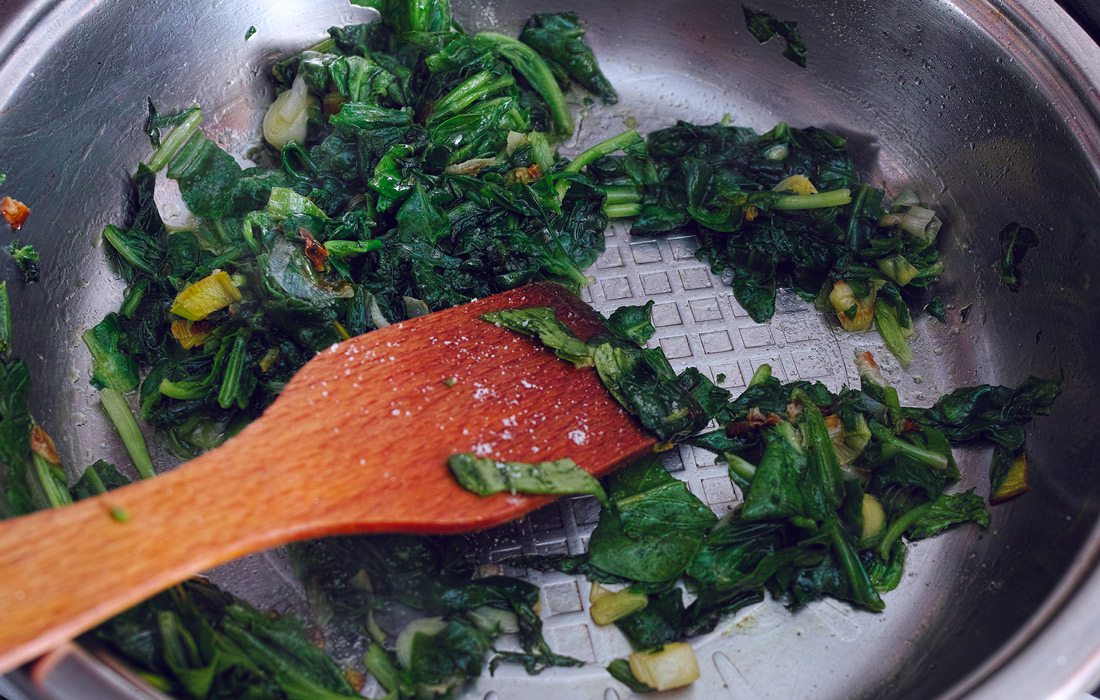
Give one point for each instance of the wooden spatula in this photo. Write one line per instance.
(358, 441)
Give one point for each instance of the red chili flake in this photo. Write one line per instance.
(14, 211)
(314, 250)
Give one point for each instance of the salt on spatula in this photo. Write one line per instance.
(357, 442)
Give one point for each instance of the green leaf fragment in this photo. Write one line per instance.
(26, 259)
(1015, 241)
(764, 26)
(542, 323)
(486, 477)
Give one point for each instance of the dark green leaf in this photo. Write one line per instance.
(541, 323)
(111, 366)
(620, 671)
(1015, 241)
(764, 26)
(559, 38)
(26, 259)
(98, 478)
(936, 310)
(632, 323)
(947, 510)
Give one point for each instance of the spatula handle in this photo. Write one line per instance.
(63, 571)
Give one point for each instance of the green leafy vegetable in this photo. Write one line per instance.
(99, 477)
(994, 413)
(559, 38)
(620, 671)
(5, 319)
(1015, 241)
(111, 366)
(947, 510)
(486, 476)
(754, 203)
(652, 530)
(632, 323)
(764, 26)
(197, 641)
(421, 173)
(542, 323)
(123, 419)
(936, 310)
(26, 258)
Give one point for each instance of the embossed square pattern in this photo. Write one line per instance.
(698, 323)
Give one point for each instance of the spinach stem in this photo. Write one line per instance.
(123, 419)
(899, 526)
(821, 200)
(622, 211)
(622, 194)
(175, 140)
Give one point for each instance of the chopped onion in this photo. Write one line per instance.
(854, 313)
(874, 521)
(796, 184)
(608, 606)
(403, 647)
(674, 666)
(287, 117)
(200, 299)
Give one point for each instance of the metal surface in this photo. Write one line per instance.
(989, 110)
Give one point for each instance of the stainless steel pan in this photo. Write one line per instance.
(989, 108)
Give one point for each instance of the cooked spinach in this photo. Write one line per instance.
(832, 483)
(1015, 241)
(376, 580)
(196, 641)
(26, 258)
(752, 200)
(411, 166)
(936, 310)
(426, 178)
(192, 640)
(632, 323)
(671, 406)
(764, 27)
(486, 476)
(560, 39)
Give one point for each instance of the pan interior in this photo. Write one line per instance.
(930, 101)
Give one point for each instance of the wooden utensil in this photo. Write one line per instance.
(357, 442)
